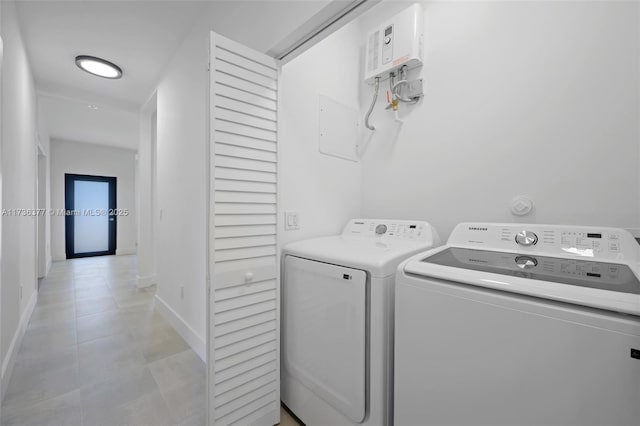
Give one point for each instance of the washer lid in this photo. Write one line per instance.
(379, 257)
(615, 289)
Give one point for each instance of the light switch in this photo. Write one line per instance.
(291, 221)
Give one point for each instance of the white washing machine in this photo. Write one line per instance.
(520, 325)
(337, 321)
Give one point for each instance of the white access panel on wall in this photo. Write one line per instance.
(243, 356)
(337, 129)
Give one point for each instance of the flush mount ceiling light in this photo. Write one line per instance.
(99, 67)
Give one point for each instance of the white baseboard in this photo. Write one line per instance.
(196, 342)
(9, 361)
(126, 251)
(146, 281)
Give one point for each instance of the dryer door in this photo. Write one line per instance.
(324, 332)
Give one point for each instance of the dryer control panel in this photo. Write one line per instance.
(390, 230)
(554, 240)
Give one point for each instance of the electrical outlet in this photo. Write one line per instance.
(291, 221)
(182, 292)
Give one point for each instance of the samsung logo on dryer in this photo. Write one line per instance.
(477, 228)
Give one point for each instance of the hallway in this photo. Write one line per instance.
(96, 352)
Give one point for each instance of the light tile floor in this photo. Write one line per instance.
(287, 419)
(96, 352)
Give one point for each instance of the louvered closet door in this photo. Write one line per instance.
(244, 365)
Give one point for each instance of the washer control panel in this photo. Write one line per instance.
(389, 230)
(546, 268)
(555, 240)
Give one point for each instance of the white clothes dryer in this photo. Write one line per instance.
(337, 320)
(520, 325)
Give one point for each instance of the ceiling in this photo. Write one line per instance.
(72, 120)
(140, 36)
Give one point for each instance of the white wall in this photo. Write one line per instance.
(45, 144)
(90, 159)
(2, 355)
(182, 183)
(182, 141)
(18, 187)
(324, 190)
(534, 98)
(146, 190)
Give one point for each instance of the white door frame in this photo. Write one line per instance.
(147, 193)
(42, 261)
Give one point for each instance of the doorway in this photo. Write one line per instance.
(91, 219)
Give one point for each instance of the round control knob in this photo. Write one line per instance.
(381, 229)
(526, 238)
(387, 40)
(526, 262)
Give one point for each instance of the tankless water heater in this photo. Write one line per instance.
(396, 42)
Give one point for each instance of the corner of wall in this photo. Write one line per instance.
(126, 251)
(144, 281)
(181, 159)
(10, 359)
(192, 338)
